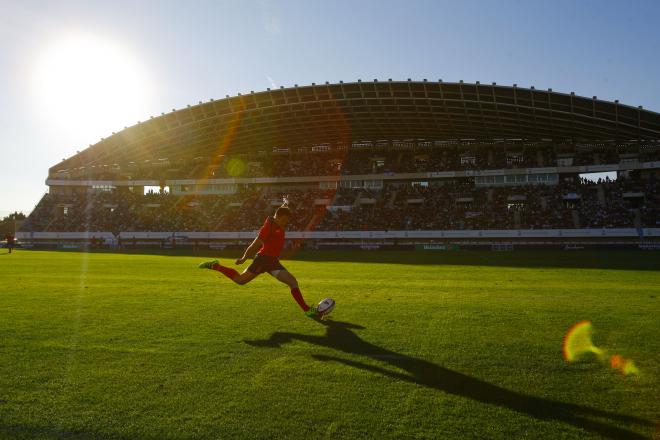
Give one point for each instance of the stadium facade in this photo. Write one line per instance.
(367, 163)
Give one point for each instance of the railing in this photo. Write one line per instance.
(387, 176)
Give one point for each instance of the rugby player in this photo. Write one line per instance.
(10, 242)
(268, 246)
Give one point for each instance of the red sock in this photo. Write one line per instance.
(226, 271)
(295, 292)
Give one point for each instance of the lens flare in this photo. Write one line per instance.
(578, 343)
(624, 366)
(236, 167)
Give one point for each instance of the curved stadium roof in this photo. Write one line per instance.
(391, 110)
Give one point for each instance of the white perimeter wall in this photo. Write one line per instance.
(492, 233)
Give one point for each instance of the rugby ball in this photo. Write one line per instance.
(325, 307)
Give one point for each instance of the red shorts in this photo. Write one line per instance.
(265, 263)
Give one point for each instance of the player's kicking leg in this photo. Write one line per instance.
(232, 274)
(287, 278)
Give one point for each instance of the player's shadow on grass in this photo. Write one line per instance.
(340, 336)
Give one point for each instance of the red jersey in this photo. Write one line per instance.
(272, 235)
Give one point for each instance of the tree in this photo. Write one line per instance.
(8, 225)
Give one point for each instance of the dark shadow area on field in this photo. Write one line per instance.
(46, 432)
(547, 259)
(339, 336)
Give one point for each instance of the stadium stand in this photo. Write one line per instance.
(401, 206)
(374, 161)
(382, 156)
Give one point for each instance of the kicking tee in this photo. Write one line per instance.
(273, 237)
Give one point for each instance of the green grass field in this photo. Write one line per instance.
(421, 345)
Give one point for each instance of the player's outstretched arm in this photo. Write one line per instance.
(251, 250)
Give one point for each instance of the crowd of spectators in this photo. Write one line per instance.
(440, 205)
(349, 162)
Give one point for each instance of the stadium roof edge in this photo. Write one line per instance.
(476, 83)
(364, 110)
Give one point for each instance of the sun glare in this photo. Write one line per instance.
(88, 85)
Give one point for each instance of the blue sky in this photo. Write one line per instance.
(191, 51)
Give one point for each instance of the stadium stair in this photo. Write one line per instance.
(601, 195)
(637, 221)
(576, 218)
(390, 202)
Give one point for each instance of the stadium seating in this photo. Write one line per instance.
(453, 204)
(373, 161)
